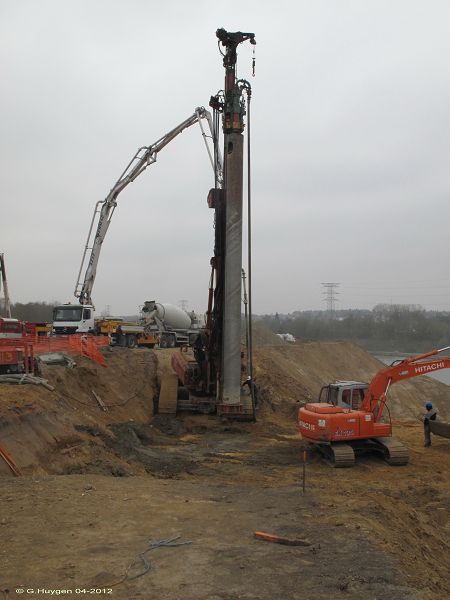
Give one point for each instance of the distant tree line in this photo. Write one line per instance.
(390, 327)
(39, 312)
(387, 327)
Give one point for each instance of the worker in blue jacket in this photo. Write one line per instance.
(430, 415)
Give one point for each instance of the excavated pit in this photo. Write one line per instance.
(67, 431)
(53, 431)
(127, 475)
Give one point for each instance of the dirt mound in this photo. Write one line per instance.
(69, 431)
(289, 375)
(263, 336)
(59, 431)
(382, 531)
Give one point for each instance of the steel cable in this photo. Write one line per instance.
(249, 255)
(170, 543)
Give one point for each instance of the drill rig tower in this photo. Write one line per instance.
(214, 377)
(233, 111)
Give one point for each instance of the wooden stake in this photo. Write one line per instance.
(304, 470)
(100, 401)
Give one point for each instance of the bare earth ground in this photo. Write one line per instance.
(99, 486)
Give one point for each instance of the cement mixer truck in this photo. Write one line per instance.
(171, 324)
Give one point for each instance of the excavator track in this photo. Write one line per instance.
(343, 455)
(168, 395)
(395, 453)
(338, 455)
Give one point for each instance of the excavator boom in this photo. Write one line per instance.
(376, 395)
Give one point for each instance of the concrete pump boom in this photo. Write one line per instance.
(104, 209)
(4, 281)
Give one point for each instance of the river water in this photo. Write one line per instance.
(388, 357)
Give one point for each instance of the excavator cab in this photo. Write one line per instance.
(348, 394)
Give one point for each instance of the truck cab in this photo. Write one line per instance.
(11, 328)
(348, 394)
(73, 318)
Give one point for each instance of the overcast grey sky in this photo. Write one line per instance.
(350, 137)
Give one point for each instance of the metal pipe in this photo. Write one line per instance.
(249, 241)
(245, 301)
(231, 357)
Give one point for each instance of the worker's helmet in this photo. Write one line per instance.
(428, 405)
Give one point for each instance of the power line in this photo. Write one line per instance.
(390, 282)
(330, 294)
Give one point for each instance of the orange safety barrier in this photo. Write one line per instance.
(85, 345)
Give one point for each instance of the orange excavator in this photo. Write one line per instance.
(347, 419)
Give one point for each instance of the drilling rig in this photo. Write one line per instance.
(211, 377)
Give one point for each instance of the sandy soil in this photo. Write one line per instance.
(98, 486)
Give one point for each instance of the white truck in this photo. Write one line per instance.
(74, 318)
(171, 324)
(163, 324)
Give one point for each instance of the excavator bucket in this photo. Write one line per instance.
(440, 428)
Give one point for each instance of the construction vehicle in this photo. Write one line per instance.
(348, 418)
(125, 333)
(213, 372)
(210, 377)
(79, 318)
(16, 352)
(11, 328)
(22, 341)
(16, 347)
(172, 325)
(71, 319)
(14, 328)
(38, 329)
(16, 356)
(4, 282)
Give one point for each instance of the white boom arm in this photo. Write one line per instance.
(104, 209)
(7, 301)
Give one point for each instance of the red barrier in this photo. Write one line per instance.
(84, 345)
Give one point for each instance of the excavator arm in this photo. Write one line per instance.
(376, 394)
(104, 209)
